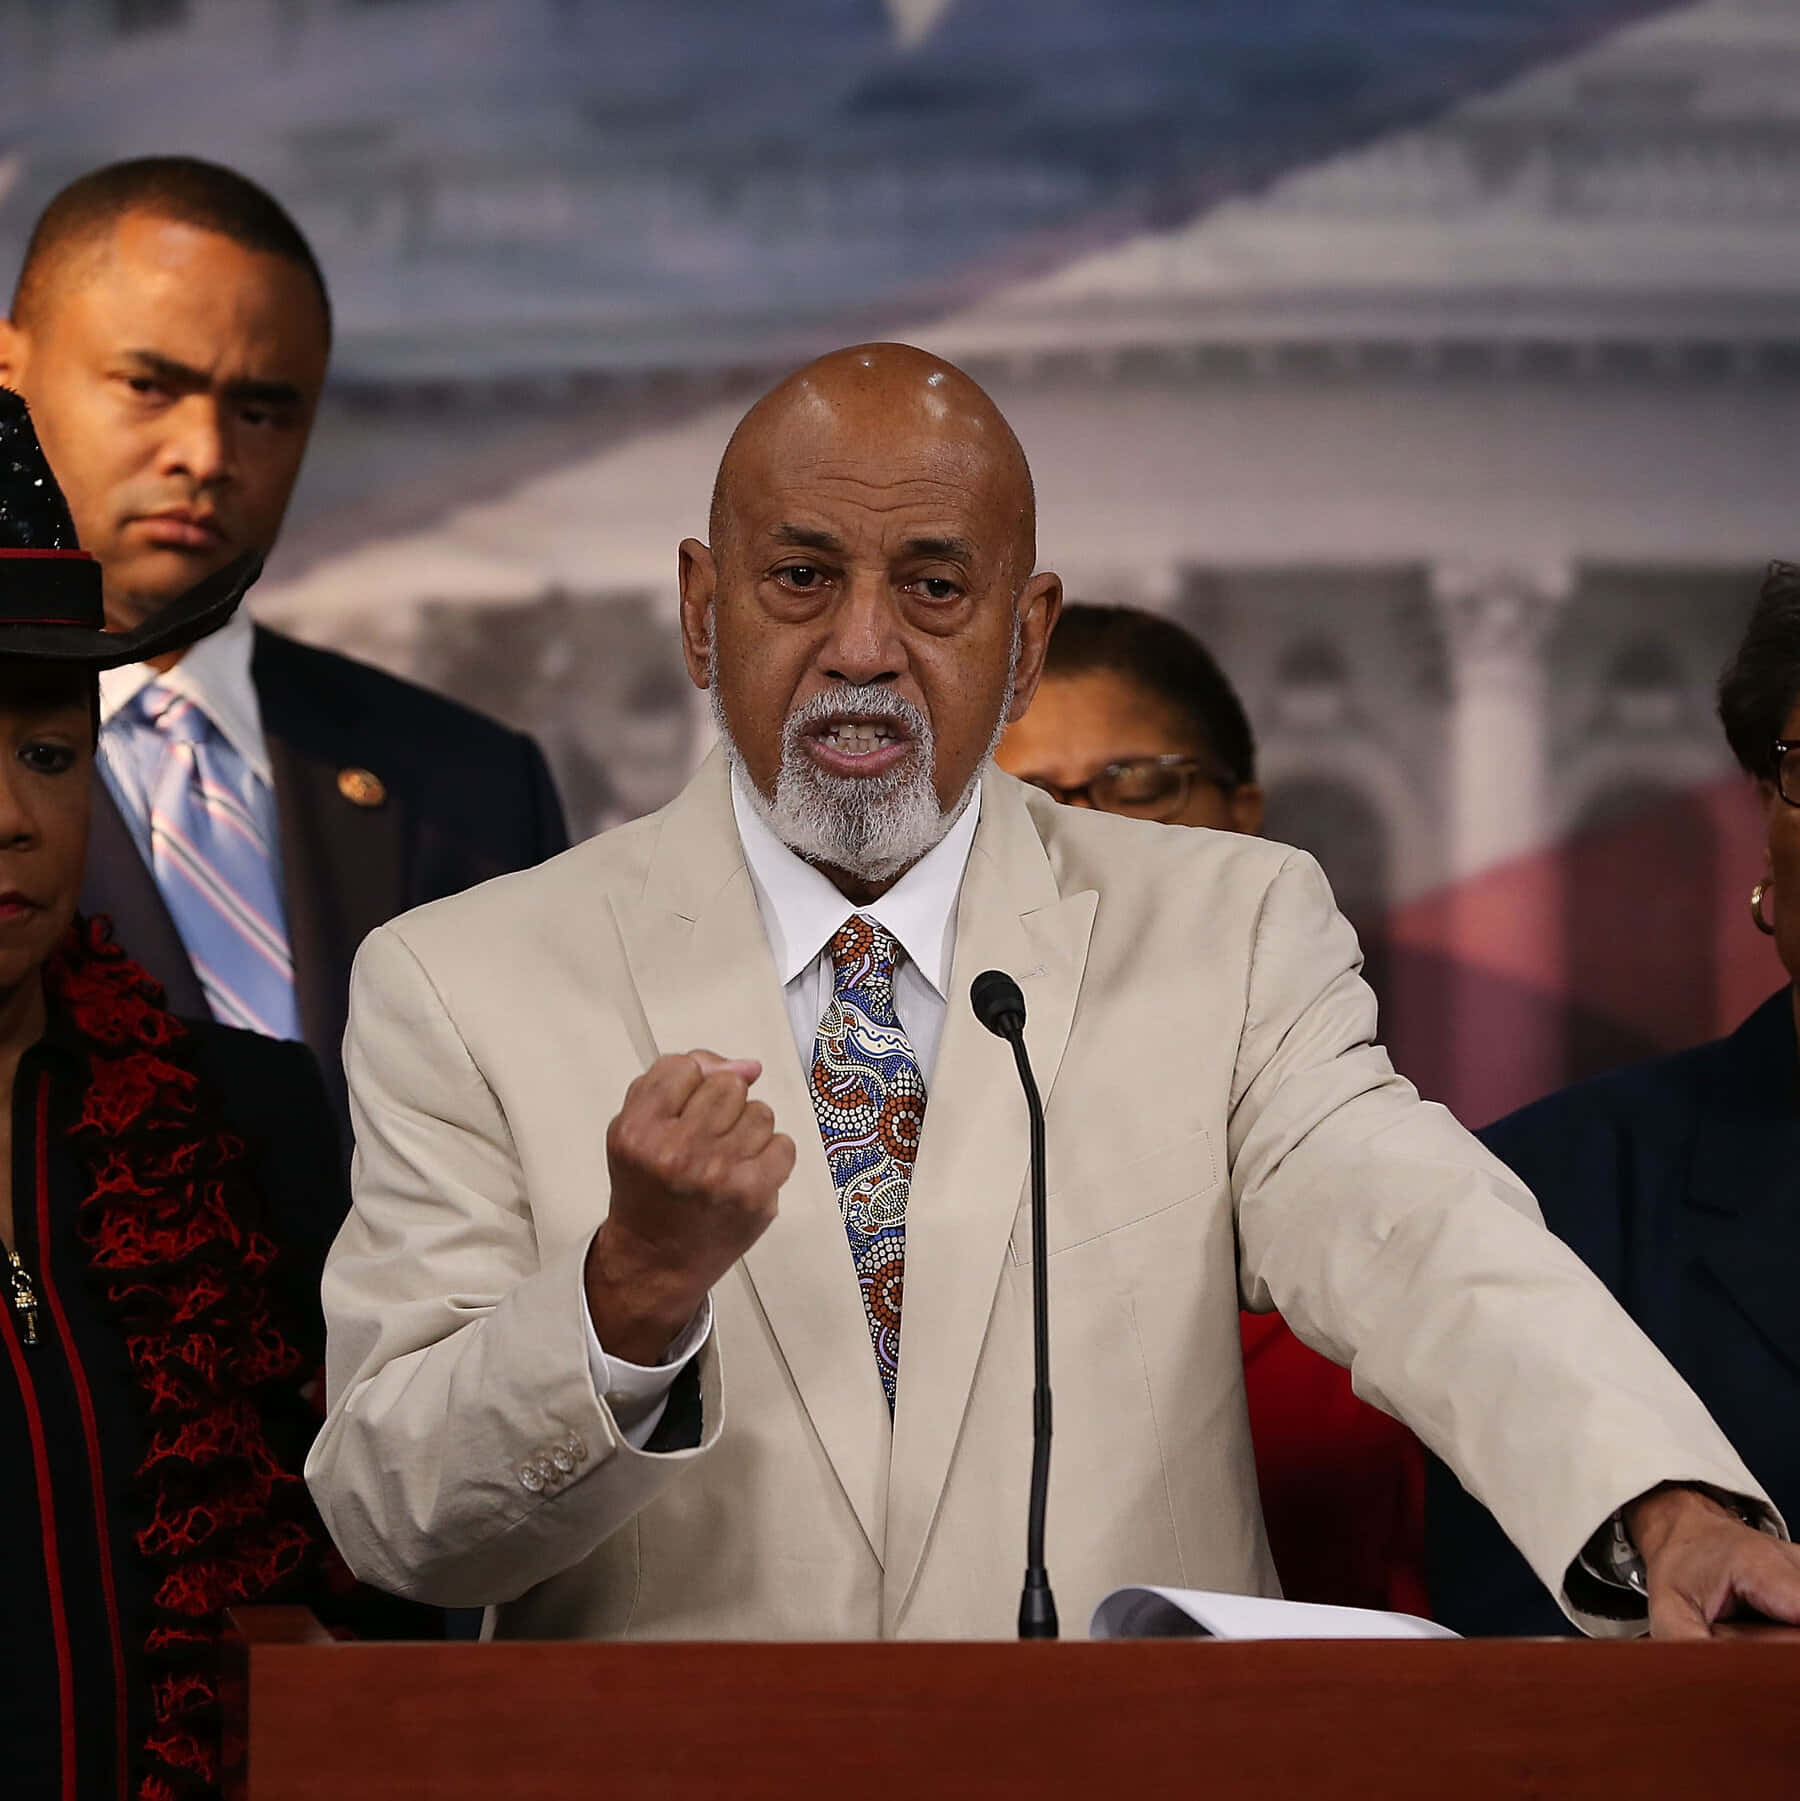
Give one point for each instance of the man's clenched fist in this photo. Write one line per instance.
(696, 1167)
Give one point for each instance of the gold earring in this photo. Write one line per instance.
(1756, 912)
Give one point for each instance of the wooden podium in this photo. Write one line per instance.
(1558, 1720)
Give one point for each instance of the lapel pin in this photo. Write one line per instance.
(362, 787)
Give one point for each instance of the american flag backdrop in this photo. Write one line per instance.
(1437, 360)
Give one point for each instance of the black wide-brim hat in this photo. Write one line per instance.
(51, 606)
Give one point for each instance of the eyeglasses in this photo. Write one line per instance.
(1787, 771)
(1155, 788)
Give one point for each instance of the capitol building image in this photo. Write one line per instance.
(1464, 450)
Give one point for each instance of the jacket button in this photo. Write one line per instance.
(563, 1458)
(532, 1477)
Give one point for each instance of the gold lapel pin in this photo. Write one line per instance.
(362, 787)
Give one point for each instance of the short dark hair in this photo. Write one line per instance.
(1760, 684)
(183, 189)
(1170, 664)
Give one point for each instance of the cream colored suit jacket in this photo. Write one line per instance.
(1221, 1124)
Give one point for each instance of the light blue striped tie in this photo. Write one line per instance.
(215, 870)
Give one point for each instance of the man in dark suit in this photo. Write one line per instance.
(265, 804)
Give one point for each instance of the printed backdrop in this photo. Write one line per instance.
(1437, 362)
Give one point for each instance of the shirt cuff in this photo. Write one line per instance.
(636, 1394)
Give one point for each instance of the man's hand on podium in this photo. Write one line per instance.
(1702, 1564)
(696, 1169)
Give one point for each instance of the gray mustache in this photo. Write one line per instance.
(862, 703)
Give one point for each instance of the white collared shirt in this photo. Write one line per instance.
(801, 911)
(215, 675)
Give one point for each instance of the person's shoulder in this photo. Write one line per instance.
(572, 888)
(271, 1093)
(1099, 850)
(1657, 1093)
(1661, 1100)
(249, 1068)
(341, 689)
(1612, 1131)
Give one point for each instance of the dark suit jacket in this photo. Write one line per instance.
(272, 1096)
(465, 799)
(1678, 1183)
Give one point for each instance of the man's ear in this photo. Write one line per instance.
(1040, 605)
(699, 581)
(13, 346)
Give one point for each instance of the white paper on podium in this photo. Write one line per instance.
(1194, 1613)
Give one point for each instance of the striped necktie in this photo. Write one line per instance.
(869, 1096)
(215, 869)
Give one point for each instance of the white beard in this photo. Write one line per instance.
(871, 827)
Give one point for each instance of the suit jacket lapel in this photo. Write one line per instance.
(119, 884)
(973, 1161)
(701, 963)
(343, 865)
(1741, 1182)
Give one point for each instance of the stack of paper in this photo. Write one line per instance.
(1193, 1613)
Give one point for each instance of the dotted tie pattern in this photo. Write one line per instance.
(869, 1097)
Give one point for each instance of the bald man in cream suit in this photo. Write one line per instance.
(632, 1335)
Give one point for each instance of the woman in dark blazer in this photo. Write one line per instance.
(1678, 1183)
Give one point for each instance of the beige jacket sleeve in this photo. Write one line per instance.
(466, 1455)
(1394, 1243)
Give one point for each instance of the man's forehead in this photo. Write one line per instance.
(141, 280)
(960, 485)
(921, 517)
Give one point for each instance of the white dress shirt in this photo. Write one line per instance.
(215, 675)
(801, 911)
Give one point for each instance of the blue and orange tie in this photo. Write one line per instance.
(869, 1096)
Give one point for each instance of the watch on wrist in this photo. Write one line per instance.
(1610, 1557)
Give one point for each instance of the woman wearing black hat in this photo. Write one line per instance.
(154, 1346)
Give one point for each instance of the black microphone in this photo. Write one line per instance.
(1000, 1007)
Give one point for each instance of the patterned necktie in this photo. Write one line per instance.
(215, 870)
(870, 1100)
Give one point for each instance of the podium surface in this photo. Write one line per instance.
(1470, 1720)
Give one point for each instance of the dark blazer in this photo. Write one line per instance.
(271, 1094)
(272, 1097)
(1678, 1183)
(457, 799)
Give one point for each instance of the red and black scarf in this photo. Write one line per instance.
(165, 1220)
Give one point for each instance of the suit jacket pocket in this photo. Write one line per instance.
(1135, 1188)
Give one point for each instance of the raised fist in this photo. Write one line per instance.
(696, 1168)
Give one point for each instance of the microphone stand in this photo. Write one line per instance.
(1000, 1007)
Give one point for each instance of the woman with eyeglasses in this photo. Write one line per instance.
(1678, 1182)
(1134, 716)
